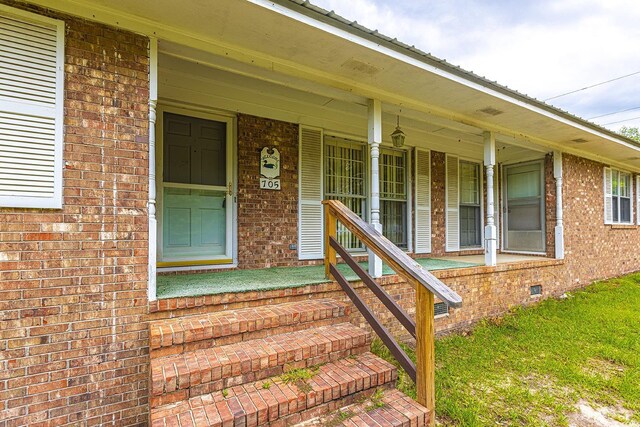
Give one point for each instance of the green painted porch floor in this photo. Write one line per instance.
(192, 285)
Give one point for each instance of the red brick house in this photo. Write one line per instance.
(162, 172)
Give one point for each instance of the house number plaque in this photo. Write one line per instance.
(270, 169)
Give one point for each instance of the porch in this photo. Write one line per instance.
(175, 286)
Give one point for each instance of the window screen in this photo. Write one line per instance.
(470, 218)
(393, 195)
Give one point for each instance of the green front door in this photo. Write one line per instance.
(195, 198)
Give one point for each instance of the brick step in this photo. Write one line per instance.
(190, 374)
(390, 408)
(174, 336)
(274, 402)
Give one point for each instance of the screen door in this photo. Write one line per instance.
(196, 204)
(524, 207)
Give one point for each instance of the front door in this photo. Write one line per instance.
(524, 207)
(195, 193)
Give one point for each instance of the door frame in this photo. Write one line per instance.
(229, 259)
(504, 206)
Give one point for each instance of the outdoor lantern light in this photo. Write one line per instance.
(398, 136)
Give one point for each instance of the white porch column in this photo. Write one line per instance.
(153, 224)
(375, 138)
(559, 230)
(490, 230)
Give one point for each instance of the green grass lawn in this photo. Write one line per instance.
(534, 365)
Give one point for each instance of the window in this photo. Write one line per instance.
(345, 176)
(470, 215)
(621, 196)
(31, 109)
(618, 197)
(393, 195)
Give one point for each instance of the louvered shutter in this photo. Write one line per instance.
(423, 201)
(638, 198)
(453, 204)
(608, 196)
(631, 207)
(31, 109)
(310, 218)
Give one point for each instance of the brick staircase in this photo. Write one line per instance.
(299, 363)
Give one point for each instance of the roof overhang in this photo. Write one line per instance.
(286, 41)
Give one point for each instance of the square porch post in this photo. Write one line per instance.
(375, 138)
(490, 230)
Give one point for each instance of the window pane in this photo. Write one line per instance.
(469, 183)
(393, 195)
(625, 184)
(345, 180)
(470, 235)
(392, 174)
(625, 209)
(393, 216)
(615, 202)
(615, 175)
(524, 181)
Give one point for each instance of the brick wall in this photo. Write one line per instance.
(267, 219)
(73, 305)
(438, 198)
(594, 250)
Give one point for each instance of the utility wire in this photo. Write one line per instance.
(621, 121)
(615, 112)
(589, 87)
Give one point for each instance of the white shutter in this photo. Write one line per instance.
(608, 196)
(310, 218)
(423, 201)
(453, 204)
(31, 109)
(638, 198)
(631, 207)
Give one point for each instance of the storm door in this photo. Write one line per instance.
(196, 196)
(524, 207)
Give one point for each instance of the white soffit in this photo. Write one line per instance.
(294, 43)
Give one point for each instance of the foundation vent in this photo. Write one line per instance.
(440, 308)
(491, 111)
(535, 290)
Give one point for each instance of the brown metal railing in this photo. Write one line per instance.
(425, 284)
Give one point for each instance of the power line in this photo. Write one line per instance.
(594, 85)
(615, 112)
(621, 121)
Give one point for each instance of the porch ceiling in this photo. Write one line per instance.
(294, 44)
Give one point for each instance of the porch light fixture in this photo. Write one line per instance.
(398, 136)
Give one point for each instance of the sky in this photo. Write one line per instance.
(541, 48)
